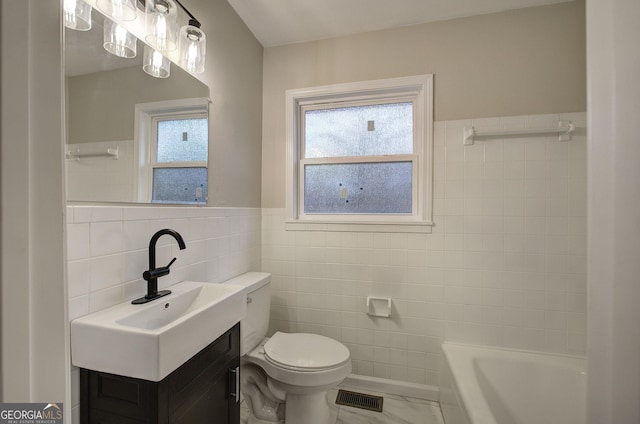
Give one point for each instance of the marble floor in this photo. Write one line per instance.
(396, 410)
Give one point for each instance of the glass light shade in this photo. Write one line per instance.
(161, 24)
(155, 64)
(120, 10)
(118, 41)
(77, 15)
(192, 47)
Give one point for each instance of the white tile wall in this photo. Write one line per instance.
(108, 251)
(505, 264)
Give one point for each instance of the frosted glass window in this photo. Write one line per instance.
(360, 152)
(371, 130)
(183, 140)
(179, 185)
(382, 187)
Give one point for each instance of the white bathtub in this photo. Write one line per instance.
(483, 385)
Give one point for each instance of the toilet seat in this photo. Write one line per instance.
(310, 374)
(302, 352)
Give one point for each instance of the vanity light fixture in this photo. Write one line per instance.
(161, 24)
(160, 33)
(155, 64)
(77, 15)
(118, 41)
(119, 10)
(192, 44)
(192, 47)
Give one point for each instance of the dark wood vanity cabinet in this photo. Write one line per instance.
(202, 390)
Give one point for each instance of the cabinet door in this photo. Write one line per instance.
(108, 398)
(210, 406)
(200, 390)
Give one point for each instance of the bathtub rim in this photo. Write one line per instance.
(465, 381)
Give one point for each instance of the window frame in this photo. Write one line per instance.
(147, 116)
(416, 89)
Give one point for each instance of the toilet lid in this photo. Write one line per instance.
(303, 351)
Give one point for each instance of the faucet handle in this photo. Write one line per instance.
(158, 272)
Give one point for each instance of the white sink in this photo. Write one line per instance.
(150, 341)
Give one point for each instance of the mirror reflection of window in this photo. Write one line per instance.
(179, 166)
(172, 139)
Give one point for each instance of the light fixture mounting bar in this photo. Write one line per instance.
(192, 21)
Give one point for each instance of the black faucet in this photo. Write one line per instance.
(153, 273)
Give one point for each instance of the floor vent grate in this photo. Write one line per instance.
(359, 400)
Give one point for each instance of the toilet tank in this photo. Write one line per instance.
(254, 327)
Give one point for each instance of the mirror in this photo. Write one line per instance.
(131, 137)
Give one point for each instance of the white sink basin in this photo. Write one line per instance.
(150, 341)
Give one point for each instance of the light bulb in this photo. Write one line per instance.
(156, 61)
(118, 41)
(70, 6)
(161, 32)
(121, 34)
(120, 10)
(77, 15)
(155, 64)
(192, 56)
(70, 19)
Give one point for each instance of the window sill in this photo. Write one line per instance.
(363, 227)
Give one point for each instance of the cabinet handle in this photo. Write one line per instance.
(234, 383)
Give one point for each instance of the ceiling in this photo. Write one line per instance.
(278, 22)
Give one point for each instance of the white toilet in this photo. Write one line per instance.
(285, 377)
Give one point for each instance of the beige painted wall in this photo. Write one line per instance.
(234, 77)
(613, 372)
(112, 117)
(35, 342)
(527, 61)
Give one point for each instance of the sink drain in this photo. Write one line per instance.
(359, 400)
